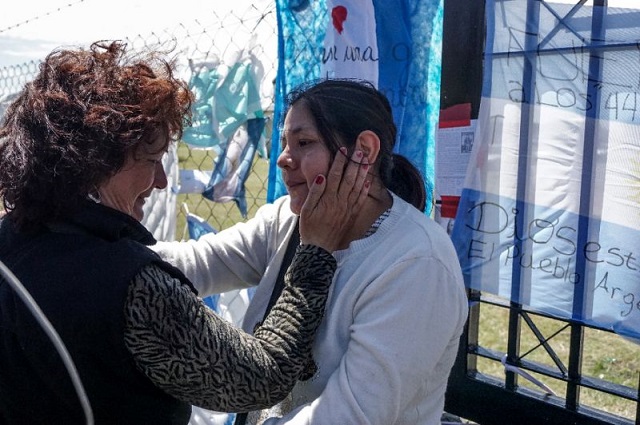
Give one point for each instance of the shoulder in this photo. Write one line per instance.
(414, 234)
(274, 220)
(269, 221)
(277, 211)
(417, 253)
(410, 223)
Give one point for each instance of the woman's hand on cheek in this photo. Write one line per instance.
(334, 201)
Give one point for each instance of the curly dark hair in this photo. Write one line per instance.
(74, 125)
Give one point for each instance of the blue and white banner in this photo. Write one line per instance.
(227, 117)
(233, 165)
(395, 45)
(550, 211)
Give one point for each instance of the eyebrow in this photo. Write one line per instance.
(297, 130)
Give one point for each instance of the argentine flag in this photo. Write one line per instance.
(550, 211)
(394, 44)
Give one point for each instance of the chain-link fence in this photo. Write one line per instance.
(217, 42)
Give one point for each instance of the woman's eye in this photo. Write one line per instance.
(294, 144)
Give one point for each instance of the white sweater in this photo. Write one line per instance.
(394, 317)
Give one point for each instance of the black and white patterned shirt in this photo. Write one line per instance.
(189, 352)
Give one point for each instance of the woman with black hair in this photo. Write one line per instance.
(397, 306)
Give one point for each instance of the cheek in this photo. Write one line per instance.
(317, 163)
(147, 176)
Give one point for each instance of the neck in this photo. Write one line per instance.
(378, 201)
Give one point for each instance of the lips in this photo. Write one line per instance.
(291, 184)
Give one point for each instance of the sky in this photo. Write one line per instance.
(30, 29)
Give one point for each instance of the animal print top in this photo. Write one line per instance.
(199, 358)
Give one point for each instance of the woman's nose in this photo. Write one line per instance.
(285, 160)
(160, 178)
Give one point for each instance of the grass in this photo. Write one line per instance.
(219, 215)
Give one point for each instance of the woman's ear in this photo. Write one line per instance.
(369, 143)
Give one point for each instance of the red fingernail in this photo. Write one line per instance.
(319, 179)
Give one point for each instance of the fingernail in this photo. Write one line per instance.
(359, 153)
(367, 184)
(365, 166)
(319, 179)
(343, 150)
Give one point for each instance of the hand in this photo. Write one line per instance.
(334, 201)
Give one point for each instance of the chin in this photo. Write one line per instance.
(297, 197)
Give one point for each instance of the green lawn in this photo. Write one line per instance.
(219, 215)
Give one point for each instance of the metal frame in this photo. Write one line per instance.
(487, 400)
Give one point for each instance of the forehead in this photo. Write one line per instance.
(299, 119)
(157, 143)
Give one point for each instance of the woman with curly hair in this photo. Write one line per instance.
(80, 151)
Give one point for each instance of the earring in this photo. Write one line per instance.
(94, 196)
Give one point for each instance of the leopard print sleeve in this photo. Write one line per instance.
(194, 355)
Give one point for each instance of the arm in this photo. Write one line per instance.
(231, 259)
(199, 358)
(402, 344)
